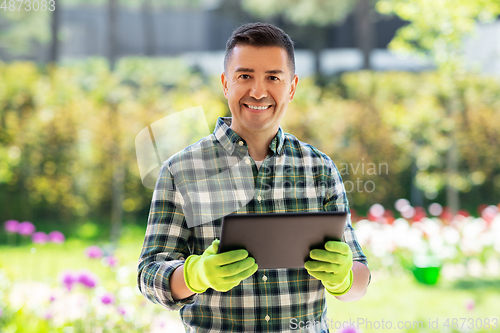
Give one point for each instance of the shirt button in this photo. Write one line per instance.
(259, 198)
(247, 161)
(267, 318)
(240, 143)
(264, 278)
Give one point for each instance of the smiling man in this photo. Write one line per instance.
(179, 266)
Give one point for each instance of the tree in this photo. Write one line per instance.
(21, 31)
(436, 31)
(312, 16)
(148, 28)
(365, 36)
(147, 8)
(54, 43)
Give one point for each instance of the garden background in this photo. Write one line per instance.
(419, 153)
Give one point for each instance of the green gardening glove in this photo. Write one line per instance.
(332, 266)
(221, 272)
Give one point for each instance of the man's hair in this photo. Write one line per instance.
(260, 34)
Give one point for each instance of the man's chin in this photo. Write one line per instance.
(257, 126)
(253, 123)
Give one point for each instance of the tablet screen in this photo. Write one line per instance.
(281, 240)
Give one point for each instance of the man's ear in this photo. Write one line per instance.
(223, 80)
(293, 86)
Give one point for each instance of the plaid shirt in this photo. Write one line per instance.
(270, 299)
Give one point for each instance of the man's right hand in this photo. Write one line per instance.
(221, 272)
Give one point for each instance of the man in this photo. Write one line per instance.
(179, 266)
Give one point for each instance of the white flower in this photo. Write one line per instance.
(474, 268)
(451, 235)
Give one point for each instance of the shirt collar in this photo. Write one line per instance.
(229, 138)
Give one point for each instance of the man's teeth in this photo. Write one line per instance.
(258, 107)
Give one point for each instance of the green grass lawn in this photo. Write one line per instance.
(44, 263)
(398, 297)
(392, 296)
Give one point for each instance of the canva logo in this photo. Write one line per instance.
(165, 137)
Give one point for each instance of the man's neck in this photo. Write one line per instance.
(258, 143)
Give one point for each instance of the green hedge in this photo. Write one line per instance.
(63, 131)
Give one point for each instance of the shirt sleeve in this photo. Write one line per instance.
(165, 245)
(336, 200)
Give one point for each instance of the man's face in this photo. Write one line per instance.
(258, 85)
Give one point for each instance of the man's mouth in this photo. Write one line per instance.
(257, 107)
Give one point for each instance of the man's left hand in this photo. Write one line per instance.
(332, 266)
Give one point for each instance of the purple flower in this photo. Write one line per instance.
(107, 298)
(39, 237)
(56, 237)
(121, 310)
(68, 278)
(111, 261)
(470, 304)
(11, 226)
(87, 278)
(349, 329)
(94, 252)
(26, 228)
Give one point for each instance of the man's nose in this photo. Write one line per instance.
(258, 90)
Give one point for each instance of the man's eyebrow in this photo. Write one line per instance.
(243, 69)
(273, 71)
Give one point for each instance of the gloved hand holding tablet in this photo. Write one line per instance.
(221, 272)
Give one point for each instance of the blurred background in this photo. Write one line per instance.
(404, 96)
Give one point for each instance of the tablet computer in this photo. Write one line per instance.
(281, 240)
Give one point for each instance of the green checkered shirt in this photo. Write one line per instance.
(268, 300)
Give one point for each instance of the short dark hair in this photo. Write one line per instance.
(260, 34)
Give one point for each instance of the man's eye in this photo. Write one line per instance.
(245, 76)
(274, 78)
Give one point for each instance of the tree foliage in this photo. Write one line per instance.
(59, 131)
(369, 121)
(20, 30)
(437, 28)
